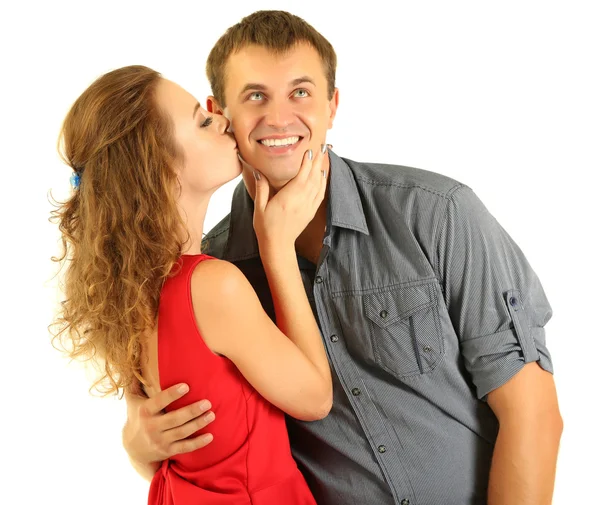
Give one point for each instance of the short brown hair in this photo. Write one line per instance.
(277, 31)
(120, 228)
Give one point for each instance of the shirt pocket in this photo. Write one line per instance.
(405, 330)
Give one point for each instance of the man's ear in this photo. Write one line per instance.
(213, 106)
(333, 105)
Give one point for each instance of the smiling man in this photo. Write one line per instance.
(279, 104)
(432, 317)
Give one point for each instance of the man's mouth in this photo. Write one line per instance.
(281, 142)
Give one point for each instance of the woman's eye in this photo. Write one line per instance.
(206, 122)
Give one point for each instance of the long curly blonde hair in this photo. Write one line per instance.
(121, 230)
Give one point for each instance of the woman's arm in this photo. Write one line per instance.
(285, 368)
(286, 363)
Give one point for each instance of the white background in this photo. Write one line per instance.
(502, 96)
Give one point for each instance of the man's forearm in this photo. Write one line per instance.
(147, 470)
(524, 463)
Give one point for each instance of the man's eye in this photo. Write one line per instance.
(300, 93)
(257, 95)
(207, 122)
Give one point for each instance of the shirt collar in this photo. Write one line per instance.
(345, 210)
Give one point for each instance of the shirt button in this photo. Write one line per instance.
(405, 502)
(319, 279)
(427, 348)
(334, 338)
(381, 449)
(356, 391)
(513, 301)
(383, 314)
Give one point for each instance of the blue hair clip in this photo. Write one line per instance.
(75, 180)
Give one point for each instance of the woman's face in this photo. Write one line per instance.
(210, 156)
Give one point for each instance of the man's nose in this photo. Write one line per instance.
(279, 115)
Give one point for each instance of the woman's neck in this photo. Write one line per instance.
(193, 213)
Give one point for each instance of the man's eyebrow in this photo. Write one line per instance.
(196, 107)
(261, 87)
(253, 85)
(302, 80)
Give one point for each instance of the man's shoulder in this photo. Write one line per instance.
(215, 241)
(404, 178)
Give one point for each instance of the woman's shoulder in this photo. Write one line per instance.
(219, 280)
(223, 302)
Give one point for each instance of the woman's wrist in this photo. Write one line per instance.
(276, 251)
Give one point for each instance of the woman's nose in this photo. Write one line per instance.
(222, 122)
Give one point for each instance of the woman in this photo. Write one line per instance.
(144, 301)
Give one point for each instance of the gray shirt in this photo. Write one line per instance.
(425, 305)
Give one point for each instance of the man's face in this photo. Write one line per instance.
(278, 108)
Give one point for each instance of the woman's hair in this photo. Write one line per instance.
(121, 230)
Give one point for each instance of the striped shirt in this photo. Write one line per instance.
(425, 305)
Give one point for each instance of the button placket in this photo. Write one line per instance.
(348, 376)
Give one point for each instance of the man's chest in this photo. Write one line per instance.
(386, 305)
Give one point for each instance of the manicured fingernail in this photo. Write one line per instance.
(310, 154)
(208, 437)
(257, 176)
(204, 405)
(183, 388)
(323, 148)
(209, 417)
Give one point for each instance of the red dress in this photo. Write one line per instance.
(249, 461)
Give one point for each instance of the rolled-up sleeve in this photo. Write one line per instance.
(495, 300)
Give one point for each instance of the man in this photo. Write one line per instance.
(431, 315)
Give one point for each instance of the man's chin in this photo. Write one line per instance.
(278, 184)
(277, 171)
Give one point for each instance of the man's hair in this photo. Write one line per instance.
(277, 31)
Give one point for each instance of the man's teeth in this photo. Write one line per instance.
(279, 142)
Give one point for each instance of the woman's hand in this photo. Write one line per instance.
(279, 220)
